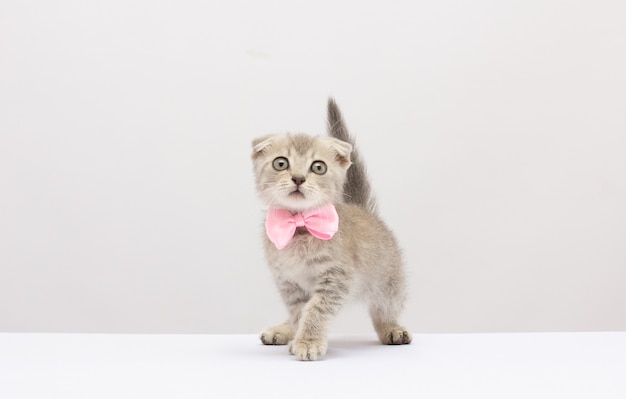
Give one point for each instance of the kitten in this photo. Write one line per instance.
(327, 261)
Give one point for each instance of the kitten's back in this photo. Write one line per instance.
(357, 189)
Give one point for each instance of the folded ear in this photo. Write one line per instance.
(261, 144)
(342, 151)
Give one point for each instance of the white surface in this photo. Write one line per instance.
(494, 132)
(548, 365)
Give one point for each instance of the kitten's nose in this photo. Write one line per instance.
(298, 180)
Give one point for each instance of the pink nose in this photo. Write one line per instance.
(298, 180)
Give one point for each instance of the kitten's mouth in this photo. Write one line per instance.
(296, 194)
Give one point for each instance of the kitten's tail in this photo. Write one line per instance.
(357, 188)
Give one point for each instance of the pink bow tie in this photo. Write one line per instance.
(280, 224)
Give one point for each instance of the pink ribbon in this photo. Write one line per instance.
(280, 224)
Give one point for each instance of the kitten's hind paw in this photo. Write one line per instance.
(277, 335)
(396, 336)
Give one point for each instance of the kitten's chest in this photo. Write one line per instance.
(298, 261)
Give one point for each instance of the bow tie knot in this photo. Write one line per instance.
(280, 224)
(299, 220)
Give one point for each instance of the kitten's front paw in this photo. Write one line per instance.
(396, 336)
(310, 349)
(277, 335)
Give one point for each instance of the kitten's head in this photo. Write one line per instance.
(298, 172)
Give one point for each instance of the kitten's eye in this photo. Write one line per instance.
(280, 163)
(318, 167)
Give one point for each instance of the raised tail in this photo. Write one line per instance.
(357, 188)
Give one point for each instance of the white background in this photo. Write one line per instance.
(517, 366)
(494, 132)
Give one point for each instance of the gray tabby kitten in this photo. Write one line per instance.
(317, 276)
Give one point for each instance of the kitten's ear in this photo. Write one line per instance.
(342, 151)
(261, 144)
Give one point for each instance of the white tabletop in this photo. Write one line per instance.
(545, 365)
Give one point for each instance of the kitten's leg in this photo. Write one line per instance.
(294, 298)
(310, 340)
(384, 311)
(386, 326)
